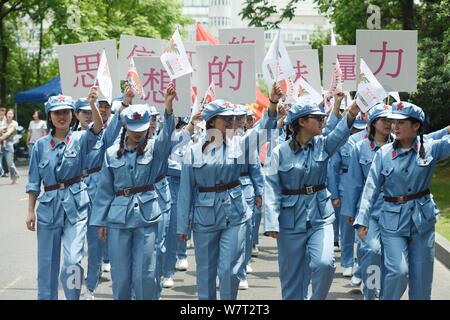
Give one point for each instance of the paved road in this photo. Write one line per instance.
(18, 262)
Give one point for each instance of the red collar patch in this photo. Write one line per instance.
(52, 143)
(394, 153)
(67, 140)
(372, 145)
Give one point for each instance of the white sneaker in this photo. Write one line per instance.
(347, 272)
(88, 295)
(355, 282)
(255, 251)
(248, 269)
(190, 244)
(182, 265)
(168, 283)
(106, 267)
(243, 285)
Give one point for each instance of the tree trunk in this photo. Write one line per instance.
(3, 63)
(38, 62)
(408, 14)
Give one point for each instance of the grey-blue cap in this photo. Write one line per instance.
(404, 110)
(216, 108)
(82, 104)
(302, 110)
(136, 117)
(58, 103)
(380, 110)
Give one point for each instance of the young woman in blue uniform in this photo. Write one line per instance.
(298, 210)
(403, 171)
(127, 202)
(57, 162)
(210, 182)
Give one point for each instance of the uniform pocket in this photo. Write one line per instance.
(390, 217)
(287, 212)
(45, 212)
(81, 198)
(428, 208)
(149, 205)
(118, 210)
(204, 209)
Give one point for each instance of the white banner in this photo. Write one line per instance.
(78, 65)
(191, 51)
(174, 58)
(132, 46)
(104, 78)
(391, 55)
(155, 81)
(370, 92)
(246, 36)
(231, 68)
(306, 65)
(277, 65)
(347, 60)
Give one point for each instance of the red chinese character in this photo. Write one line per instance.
(140, 52)
(243, 41)
(384, 51)
(220, 69)
(85, 65)
(299, 73)
(158, 82)
(348, 66)
(189, 54)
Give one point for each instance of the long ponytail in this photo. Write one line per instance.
(122, 143)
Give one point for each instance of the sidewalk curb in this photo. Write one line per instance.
(442, 249)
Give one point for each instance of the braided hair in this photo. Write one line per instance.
(294, 132)
(141, 147)
(122, 143)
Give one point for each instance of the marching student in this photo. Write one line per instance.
(403, 170)
(298, 210)
(57, 162)
(210, 183)
(358, 168)
(127, 202)
(94, 161)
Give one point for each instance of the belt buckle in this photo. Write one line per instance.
(401, 199)
(61, 186)
(126, 192)
(309, 190)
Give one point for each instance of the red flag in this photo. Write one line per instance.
(202, 35)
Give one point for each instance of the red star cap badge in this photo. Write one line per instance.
(61, 98)
(137, 116)
(400, 106)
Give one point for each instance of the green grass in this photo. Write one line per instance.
(440, 188)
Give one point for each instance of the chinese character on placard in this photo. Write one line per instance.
(348, 66)
(243, 41)
(86, 66)
(298, 70)
(233, 68)
(140, 52)
(384, 52)
(158, 83)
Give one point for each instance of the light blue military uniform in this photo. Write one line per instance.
(132, 217)
(62, 212)
(407, 228)
(252, 186)
(303, 222)
(181, 139)
(337, 171)
(94, 161)
(219, 218)
(358, 169)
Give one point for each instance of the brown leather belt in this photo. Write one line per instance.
(403, 199)
(220, 187)
(244, 174)
(158, 179)
(91, 171)
(130, 191)
(305, 190)
(63, 184)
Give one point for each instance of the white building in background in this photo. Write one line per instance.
(219, 14)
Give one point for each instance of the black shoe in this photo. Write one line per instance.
(336, 244)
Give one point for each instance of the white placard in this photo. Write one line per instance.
(306, 65)
(391, 55)
(246, 36)
(78, 65)
(347, 60)
(155, 81)
(231, 68)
